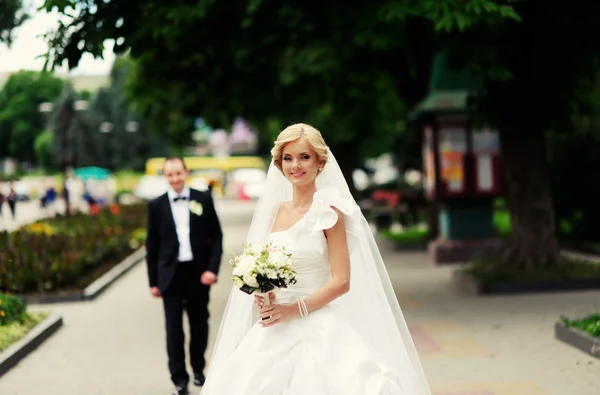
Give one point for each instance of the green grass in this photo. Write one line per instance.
(502, 222)
(13, 332)
(495, 270)
(419, 234)
(589, 324)
(409, 236)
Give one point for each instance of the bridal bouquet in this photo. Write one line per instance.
(262, 268)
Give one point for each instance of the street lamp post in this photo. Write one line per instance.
(65, 121)
(108, 127)
(132, 126)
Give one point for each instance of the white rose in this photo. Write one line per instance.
(238, 282)
(196, 207)
(244, 266)
(250, 279)
(271, 274)
(277, 258)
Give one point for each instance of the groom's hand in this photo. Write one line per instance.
(208, 278)
(155, 292)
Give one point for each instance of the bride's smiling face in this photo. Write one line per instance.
(300, 162)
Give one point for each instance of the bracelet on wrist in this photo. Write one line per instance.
(302, 308)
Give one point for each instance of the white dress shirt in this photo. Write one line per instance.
(181, 216)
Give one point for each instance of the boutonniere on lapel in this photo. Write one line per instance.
(196, 207)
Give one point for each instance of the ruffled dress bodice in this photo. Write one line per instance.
(307, 243)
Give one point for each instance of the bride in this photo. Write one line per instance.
(339, 330)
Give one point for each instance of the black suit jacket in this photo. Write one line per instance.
(162, 245)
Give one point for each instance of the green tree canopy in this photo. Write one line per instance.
(351, 71)
(127, 142)
(537, 69)
(12, 15)
(355, 71)
(20, 118)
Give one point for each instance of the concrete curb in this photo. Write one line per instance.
(95, 288)
(104, 281)
(578, 339)
(467, 283)
(15, 353)
(574, 254)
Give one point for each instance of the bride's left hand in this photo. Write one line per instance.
(259, 300)
(277, 314)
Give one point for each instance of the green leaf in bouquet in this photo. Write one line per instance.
(247, 289)
(265, 285)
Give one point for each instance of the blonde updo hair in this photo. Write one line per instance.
(293, 133)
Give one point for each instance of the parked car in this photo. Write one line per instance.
(249, 181)
(150, 187)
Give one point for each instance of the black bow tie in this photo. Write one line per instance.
(179, 198)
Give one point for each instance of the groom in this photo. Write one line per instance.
(184, 248)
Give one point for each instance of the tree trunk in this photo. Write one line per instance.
(533, 242)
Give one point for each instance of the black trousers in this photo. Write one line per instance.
(12, 205)
(190, 295)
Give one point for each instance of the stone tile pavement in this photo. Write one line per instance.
(469, 345)
(499, 345)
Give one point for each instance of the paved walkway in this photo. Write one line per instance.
(469, 345)
(27, 212)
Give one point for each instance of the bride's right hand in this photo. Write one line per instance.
(259, 300)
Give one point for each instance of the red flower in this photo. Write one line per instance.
(94, 209)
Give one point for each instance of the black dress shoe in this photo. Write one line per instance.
(180, 390)
(199, 379)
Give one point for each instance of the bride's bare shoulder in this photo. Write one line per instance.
(282, 209)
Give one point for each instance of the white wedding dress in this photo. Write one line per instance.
(320, 354)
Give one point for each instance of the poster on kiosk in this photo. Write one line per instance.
(467, 165)
(452, 151)
(486, 157)
(429, 166)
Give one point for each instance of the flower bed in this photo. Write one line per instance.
(494, 276)
(583, 333)
(68, 253)
(589, 324)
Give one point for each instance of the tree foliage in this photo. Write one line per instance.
(20, 119)
(536, 71)
(576, 191)
(68, 129)
(106, 133)
(351, 71)
(354, 72)
(128, 142)
(43, 147)
(12, 15)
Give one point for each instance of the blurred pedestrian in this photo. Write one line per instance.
(11, 199)
(2, 198)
